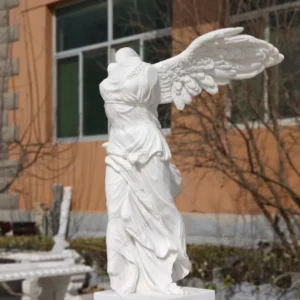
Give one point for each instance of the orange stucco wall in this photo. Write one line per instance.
(81, 165)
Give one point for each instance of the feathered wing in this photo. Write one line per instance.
(212, 60)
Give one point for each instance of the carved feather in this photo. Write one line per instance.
(214, 59)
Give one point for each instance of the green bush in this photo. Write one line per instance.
(93, 250)
(237, 264)
(257, 266)
(38, 243)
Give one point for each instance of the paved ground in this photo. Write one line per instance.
(84, 297)
(87, 297)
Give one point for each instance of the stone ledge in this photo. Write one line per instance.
(4, 119)
(7, 4)
(9, 34)
(3, 183)
(193, 294)
(9, 201)
(10, 134)
(9, 67)
(4, 155)
(16, 215)
(3, 51)
(4, 151)
(13, 272)
(9, 168)
(3, 85)
(3, 18)
(41, 256)
(10, 101)
(201, 228)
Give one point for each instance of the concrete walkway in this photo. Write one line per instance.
(87, 297)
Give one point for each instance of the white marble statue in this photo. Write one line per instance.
(146, 244)
(60, 243)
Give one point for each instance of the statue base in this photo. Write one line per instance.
(193, 294)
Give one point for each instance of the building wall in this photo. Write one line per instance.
(81, 165)
(9, 101)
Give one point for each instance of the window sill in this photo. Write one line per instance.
(257, 124)
(94, 138)
(83, 139)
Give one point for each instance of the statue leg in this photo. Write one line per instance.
(122, 266)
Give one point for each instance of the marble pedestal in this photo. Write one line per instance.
(194, 294)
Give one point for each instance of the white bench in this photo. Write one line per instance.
(54, 260)
(41, 258)
(42, 281)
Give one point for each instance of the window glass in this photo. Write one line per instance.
(156, 50)
(85, 23)
(164, 115)
(67, 97)
(247, 97)
(244, 6)
(95, 70)
(284, 79)
(136, 16)
(81, 24)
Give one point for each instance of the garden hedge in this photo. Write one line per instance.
(257, 266)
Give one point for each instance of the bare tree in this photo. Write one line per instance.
(249, 133)
(28, 150)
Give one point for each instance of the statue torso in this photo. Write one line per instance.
(131, 108)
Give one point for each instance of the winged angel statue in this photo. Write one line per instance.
(146, 244)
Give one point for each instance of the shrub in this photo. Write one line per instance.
(38, 243)
(257, 266)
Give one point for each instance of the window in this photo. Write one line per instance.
(136, 16)
(284, 83)
(87, 35)
(276, 92)
(247, 97)
(244, 6)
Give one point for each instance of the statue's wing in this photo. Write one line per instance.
(213, 59)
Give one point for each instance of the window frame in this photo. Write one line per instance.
(109, 44)
(262, 13)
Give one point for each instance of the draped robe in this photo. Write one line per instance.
(146, 244)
